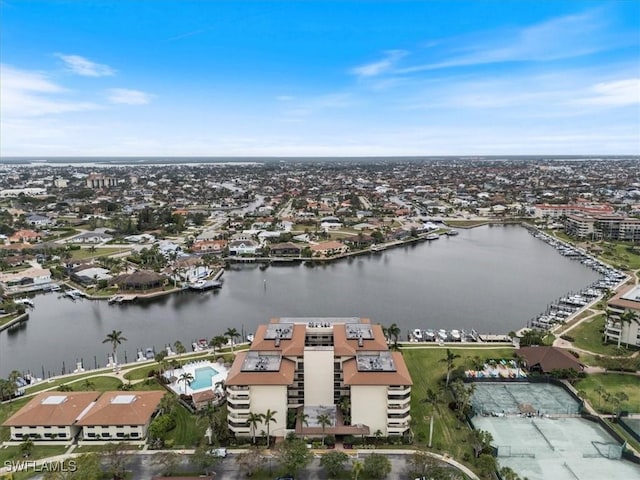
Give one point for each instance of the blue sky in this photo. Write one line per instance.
(312, 78)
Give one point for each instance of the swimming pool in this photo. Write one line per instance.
(202, 378)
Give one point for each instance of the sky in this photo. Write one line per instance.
(319, 78)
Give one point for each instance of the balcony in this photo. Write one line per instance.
(398, 409)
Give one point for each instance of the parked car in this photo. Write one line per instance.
(218, 452)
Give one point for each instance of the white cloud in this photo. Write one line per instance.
(82, 66)
(128, 97)
(615, 93)
(29, 94)
(381, 66)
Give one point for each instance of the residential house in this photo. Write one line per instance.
(329, 249)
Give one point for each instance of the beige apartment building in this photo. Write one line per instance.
(87, 415)
(618, 328)
(311, 368)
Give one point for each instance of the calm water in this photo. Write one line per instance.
(491, 279)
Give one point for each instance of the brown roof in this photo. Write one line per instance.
(618, 301)
(108, 410)
(549, 358)
(62, 413)
(354, 377)
(141, 277)
(288, 347)
(344, 347)
(282, 377)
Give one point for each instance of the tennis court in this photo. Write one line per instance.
(522, 398)
(553, 445)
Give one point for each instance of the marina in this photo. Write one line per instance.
(410, 286)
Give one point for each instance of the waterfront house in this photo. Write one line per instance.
(33, 278)
(243, 247)
(329, 249)
(215, 247)
(140, 280)
(91, 237)
(320, 365)
(51, 416)
(285, 249)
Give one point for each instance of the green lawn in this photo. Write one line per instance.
(588, 336)
(39, 451)
(618, 253)
(466, 223)
(427, 372)
(612, 383)
(187, 433)
(85, 253)
(101, 384)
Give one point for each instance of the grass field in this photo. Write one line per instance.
(612, 384)
(427, 372)
(101, 384)
(187, 432)
(588, 336)
(618, 253)
(85, 253)
(466, 223)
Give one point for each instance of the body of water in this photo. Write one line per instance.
(492, 279)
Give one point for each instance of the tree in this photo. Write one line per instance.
(487, 465)
(210, 417)
(117, 458)
(115, 338)
(376, 466)
(202, 459)
(333, 462)
(293, 455)
(601, 393)
(254, 419)
(82, 467)
(619, 398)
(217, 342)
(168, 461)
(179, 347)
(449, 359)
(480, 440)
(187, 379)
(357, 469)
(268, 418)
(250, 461)
(324, 420)
(394, 332)
(65, 388)
(232, 334)
(432, 398)
(26, 447)
(507, 473)
(168, 403)
(88, 385)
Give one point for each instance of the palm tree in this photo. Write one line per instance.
(601, 392)
(254, 419)
(88, 385)
(357, 469)
(187, 378)
(217, 342)
(179, 347)
(324, 420)
(432, 398)
(268, 417)
(304, 418)
(115, 338)
(64, 388)
(628, 316)
(394, 332)
(449, 361)
(232, 334)
(209, 415)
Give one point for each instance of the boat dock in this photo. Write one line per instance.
(122, 298)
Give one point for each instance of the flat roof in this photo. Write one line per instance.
(261, 362)
(375, 362)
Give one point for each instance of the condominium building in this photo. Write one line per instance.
(603, 227)
(333, 371)
(98, 180)
(619, 328)
(88, 415)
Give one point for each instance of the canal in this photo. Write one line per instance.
(492, 279)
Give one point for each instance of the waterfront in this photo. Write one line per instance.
(493, 279)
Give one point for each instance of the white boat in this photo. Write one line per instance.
(455, 335)
(250, 337)
(429, 335)
(25, 301)
(432, 236)
(205, 284)
(442, 335)
(378, 248)
(417, 334)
